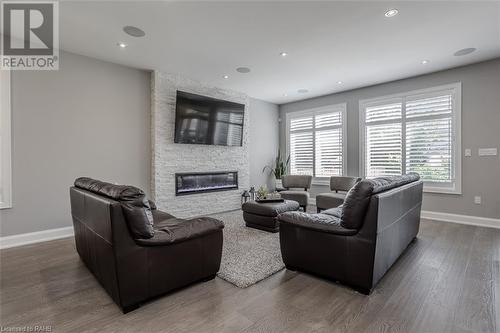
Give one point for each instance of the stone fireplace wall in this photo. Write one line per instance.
(169, 157)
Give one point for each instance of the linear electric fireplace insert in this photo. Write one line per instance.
(196, 182)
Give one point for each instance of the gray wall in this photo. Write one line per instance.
(480, 128)
(264, 141)
(89, 118)
(92, 118)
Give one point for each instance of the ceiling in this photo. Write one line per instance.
(326, 42)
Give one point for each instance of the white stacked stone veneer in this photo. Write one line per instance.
(170, 158)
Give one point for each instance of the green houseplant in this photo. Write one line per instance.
(279, 169)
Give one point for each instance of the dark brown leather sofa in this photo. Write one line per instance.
(358, 242)
(134, 250)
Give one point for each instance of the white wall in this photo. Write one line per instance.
(480, 128)
(89, 118)
(264, 141)
(170, 158)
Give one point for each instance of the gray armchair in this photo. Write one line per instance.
(335, 198)
(296, 187)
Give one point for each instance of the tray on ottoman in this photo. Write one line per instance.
(262, 215)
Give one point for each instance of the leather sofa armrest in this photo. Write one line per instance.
(173, 230)
(318, 222)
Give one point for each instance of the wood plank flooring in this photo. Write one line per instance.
(447, 281)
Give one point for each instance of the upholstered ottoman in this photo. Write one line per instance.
(262, 215)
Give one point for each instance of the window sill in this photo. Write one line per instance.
(321, 182)
(438, 190)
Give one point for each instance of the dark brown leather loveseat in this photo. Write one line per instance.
(358, 242)
(136, 251)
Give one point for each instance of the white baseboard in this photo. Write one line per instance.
(462, 219)
(35, 237)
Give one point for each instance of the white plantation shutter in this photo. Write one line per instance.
(384, 144)
(430, 136)
(429, 145)
(414, 132)
(384, 112)
(301, 149)
(383, 150)
(315, 141)
(301, 123)
(328, 153)
(432, 105)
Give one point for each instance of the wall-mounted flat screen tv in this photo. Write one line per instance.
(208, 121)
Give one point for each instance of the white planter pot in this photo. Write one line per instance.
(278, 183)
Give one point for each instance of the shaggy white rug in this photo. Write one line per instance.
(248, 255)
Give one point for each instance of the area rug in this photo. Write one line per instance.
(248, 255)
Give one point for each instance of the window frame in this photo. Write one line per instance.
(5, 150)
(342, 107)
(454, 187)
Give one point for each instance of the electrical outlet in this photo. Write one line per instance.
(468, 152)
(477, 200)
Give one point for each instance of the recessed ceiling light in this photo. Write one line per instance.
(302, 91)
(122, 45)
(285, 94)
(391, 12)
(425, 62)
(340, 82)
(226, 77)
(134, 31)
(465, 51)
(283, 54)
(243, 70)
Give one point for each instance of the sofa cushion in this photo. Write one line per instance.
(358, 198)
(134, 204)
(173, 230)
(355, 205)
(317, 222)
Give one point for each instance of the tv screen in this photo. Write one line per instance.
(208, 121)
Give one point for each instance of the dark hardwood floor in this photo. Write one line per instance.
(447, 281)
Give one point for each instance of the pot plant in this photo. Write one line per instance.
(279, 169)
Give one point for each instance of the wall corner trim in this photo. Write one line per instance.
(35, 237)
(462, 219)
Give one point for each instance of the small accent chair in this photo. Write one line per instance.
(293, 185)
(334, 199)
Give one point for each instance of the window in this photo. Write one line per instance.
(5, 166)
(417, 131)
(316, 141)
